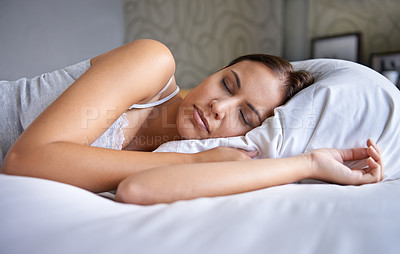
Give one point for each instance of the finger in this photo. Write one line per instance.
(251, 154)
(370, 142)
(360, 177)
(353, 154)
(374, 153)
(375, 169)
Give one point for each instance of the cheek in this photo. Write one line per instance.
(183, 117)
(203, 90)
(184, 126)
(230, 128)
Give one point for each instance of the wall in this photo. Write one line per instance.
(296, 40)
(377, 20)
(38, 36)
(205, 35)
(42, 35)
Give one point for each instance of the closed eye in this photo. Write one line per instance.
(225, 86)
(243, 118)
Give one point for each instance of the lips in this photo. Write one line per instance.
(200, 119)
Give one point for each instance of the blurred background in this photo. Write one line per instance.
(38, 36)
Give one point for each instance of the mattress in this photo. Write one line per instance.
(42, 216)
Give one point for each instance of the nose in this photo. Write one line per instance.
(221, 107)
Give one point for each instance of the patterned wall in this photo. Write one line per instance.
(205, 35)
(377, 20)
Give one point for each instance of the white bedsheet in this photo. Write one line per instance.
(40, 216)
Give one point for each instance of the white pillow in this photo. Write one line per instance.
(347, 104)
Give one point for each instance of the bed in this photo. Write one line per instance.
(348, 104)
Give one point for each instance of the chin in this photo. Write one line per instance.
(190, 135)
(188, 132)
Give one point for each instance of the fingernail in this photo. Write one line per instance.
(253, 153)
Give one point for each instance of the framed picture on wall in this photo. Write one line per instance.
(387, 63)
(343, 46)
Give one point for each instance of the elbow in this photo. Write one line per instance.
(10, 163)
(19, 161)
(133, 192)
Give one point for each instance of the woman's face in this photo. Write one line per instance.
(230, 102)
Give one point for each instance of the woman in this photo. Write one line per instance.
(228, 103)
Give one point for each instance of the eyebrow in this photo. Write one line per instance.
(237, 79)
(238, 84)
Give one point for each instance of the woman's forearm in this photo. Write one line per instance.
(92, 168)
(168, 184)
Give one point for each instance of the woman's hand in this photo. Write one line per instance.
(224, 154)
(327, 165)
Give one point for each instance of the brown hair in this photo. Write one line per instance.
(292, 81)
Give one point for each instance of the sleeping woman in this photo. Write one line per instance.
(99, 133)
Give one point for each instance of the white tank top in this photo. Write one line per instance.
(113, 137)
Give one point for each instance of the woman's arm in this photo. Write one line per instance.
(168, 184)
(56, 144)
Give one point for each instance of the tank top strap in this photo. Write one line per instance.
(156, 103)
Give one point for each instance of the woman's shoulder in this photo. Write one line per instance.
(150, 46)
(147, 65)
